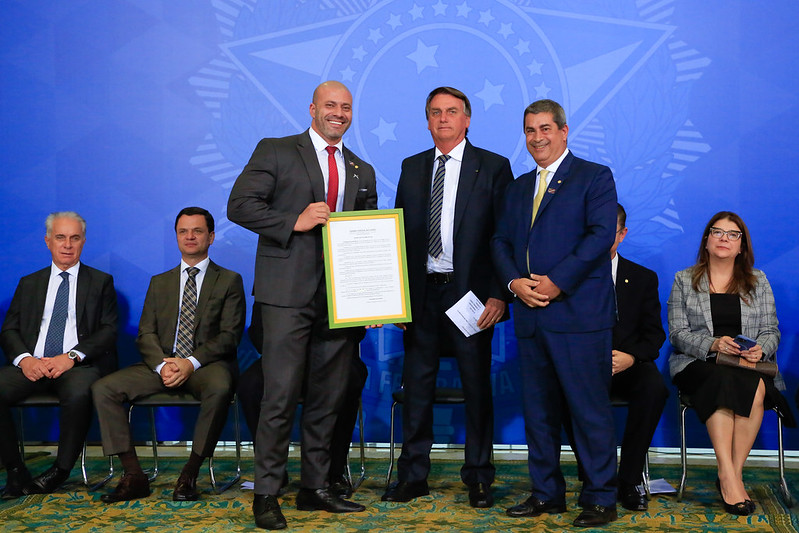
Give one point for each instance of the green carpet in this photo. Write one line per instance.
(446, 509)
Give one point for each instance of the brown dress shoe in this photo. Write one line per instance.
(130, 487)
(47, 482)
(267, 513)
(186, 489)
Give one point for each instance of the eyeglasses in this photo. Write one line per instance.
(732, 234)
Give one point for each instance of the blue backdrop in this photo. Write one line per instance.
(127, 111)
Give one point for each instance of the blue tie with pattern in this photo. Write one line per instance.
(54, 342)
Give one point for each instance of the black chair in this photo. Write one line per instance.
(180, 398)
(685, 404)
(443, 396)
(51, 400)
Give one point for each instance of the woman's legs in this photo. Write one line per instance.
(745, 431)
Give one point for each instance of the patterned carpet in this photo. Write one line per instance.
(446, 509)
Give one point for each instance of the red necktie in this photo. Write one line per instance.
(332, 178)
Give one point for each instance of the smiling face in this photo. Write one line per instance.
(447, 121)
(545, 141)
(65, 242)
(331, 110)
(723, 247)
(194, 239)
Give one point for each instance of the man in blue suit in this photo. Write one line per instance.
(551, 251)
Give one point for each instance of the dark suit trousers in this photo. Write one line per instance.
(301, 355)
(75, 413)
(211, 384)
(430, 336)
(643, 387)
(251, 390)
(574, 368)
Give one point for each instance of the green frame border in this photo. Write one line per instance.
(333, 321)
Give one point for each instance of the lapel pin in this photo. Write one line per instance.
(551, 190)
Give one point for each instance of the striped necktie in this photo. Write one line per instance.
(188, 307)
(434, 245)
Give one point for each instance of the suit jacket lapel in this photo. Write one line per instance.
(82, 294)
(40, 297)
(703, 297)
(555, 183)
(171, 311)
(470, 168)
(311, 161)
(209, 281)
(352, 180)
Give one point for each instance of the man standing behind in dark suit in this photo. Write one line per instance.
(189, 332)
(453, 194)
(637, 338)
(59, 335)
(285, 194)
(551, 249)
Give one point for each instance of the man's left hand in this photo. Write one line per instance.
(182, 370)
(621, 361)
(546, 286)
(58, 364)
(492, 313)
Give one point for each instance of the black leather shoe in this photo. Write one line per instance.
(596, 515)
(630, 498)
(130, 487)
(341, 488)
(186, 489)
(405, 491)
(535, 507)
(267, 513)
(480, 496)
(16, 481)
(744, 508)
(47, 482)
(324, 500)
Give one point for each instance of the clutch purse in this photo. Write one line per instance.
(767, 368)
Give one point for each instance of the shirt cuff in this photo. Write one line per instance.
(194, 362)
(20, 357)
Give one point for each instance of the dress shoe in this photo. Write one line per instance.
(535, 507)
(480, 496)
(631, 498)
(324, 500)
(130, 487)
(47, 482)
(186, 489)
(266, 510)
(405, 491)
(341, 488)
(596, 515)
(744, 508)
(16, 481)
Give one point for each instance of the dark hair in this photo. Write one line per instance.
(547, 106)
(189, 211)
(467, 106)
(743, 278)
(621, 216)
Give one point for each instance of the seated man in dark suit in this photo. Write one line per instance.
(59, 335)
(251, 390)
(189, 333)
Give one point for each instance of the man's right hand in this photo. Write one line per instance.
(34, 369)
(524, 289)
(312, 216)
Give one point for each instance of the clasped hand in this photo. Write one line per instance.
(47, 367)
(535, 291)
(727, 345)
(176, 371)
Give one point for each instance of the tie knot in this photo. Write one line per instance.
(64, 275)
(543, 173)
(331, 150)
(442, 159)
(192, 271)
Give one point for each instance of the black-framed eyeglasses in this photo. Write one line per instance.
(732, 234)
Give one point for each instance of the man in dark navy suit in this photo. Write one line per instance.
(551, 250)
(59, 336)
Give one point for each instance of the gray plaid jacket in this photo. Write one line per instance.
(691, 325)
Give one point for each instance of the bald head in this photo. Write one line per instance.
(331, 110)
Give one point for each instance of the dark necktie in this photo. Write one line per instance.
(188, 307)
(54, 342)
(332, 178)
(434, 245)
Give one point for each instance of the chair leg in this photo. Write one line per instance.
(217, 488)
(786, 493)
(646, 477)
(683, 453)
(102, 482)
(154, 436)
(391, 446)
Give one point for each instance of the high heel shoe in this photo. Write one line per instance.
(744, 508)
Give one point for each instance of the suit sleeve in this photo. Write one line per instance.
(228, 327)
(501, 182)
(768, 335)
(148, 341)
(645, 346)
(101, 341)
(11, 339)
(250, 204)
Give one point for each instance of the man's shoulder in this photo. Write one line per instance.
(635, 268)
(93, 272)
(352, 158)
(488, 156)
(222, 271)
(35, 276)
(419, 157)
(578, 164)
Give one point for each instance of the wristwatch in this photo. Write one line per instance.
(74, 356)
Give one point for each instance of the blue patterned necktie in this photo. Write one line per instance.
(188, 307)
(54, 342)
(434, 245)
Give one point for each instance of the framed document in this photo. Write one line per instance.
(366, 268)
